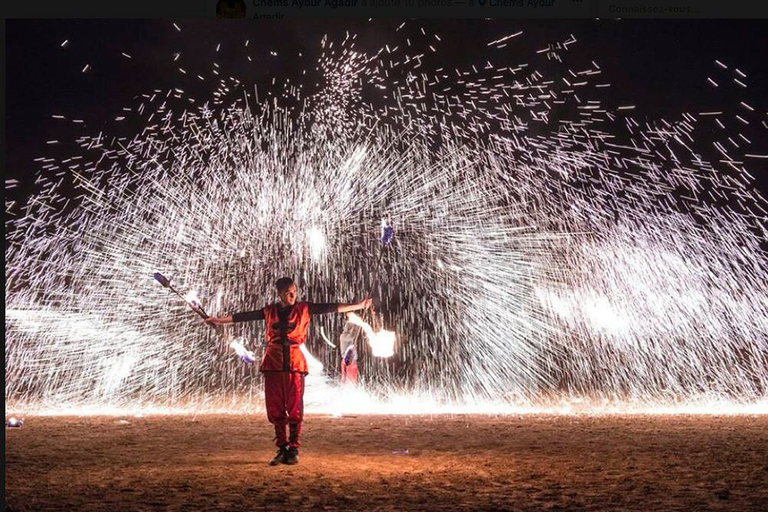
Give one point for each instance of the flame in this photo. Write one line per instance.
(382, 342)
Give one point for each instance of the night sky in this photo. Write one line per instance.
(660, 66)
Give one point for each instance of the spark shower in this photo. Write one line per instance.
(552, 244)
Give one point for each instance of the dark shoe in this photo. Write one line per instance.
(279, 456)
(291, 456)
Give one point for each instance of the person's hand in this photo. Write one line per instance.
(366, 303)
(212, 321)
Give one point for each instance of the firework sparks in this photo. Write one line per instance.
(549, 242)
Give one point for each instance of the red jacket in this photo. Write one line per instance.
(282, 353)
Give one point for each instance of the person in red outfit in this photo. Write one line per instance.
(284, 365)
(349, 371)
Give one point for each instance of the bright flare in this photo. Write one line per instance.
(382, 342)
(246, 355)
(316, 240)
(192, 298)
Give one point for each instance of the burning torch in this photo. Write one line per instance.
(192, 301)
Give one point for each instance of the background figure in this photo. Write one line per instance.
(349, 353)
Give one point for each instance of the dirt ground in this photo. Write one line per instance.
(493, 463)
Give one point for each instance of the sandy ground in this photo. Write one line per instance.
(531, 462)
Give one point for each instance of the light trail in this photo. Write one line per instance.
(382, 342)
(245, 355)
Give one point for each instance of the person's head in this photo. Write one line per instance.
(287, 290)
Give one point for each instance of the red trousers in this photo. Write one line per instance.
(284, 399)
(348, 372)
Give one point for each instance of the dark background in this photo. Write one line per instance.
(660, 66)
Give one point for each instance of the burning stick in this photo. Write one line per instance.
(191, 301)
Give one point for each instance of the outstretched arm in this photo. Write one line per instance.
(237, 317)
(214, 321)
(332, 307)
(363, 304)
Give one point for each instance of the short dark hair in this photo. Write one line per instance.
(283, 283)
